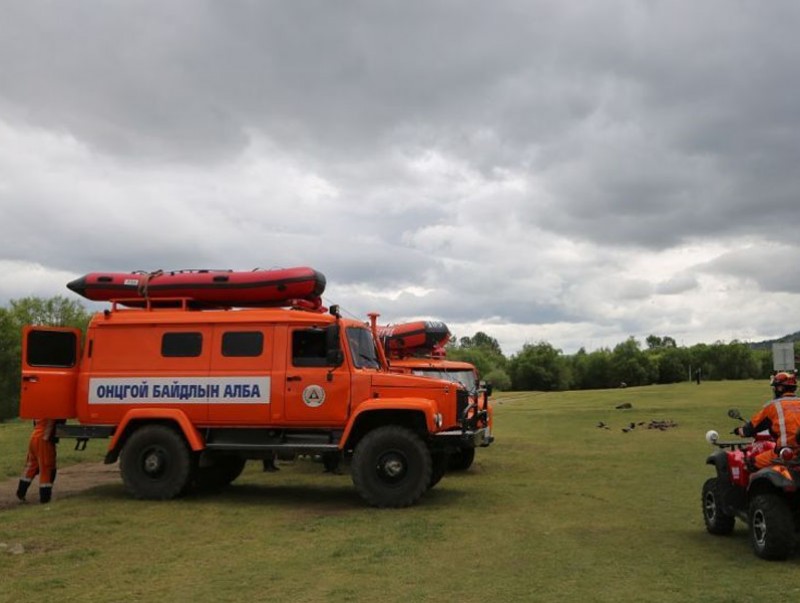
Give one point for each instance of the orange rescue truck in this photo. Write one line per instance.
(186, 396)
(417, 348)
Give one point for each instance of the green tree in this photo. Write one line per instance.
(9, 365)
(672, 364)
(480, 350)
(540, 367)
(55, 312)
(499, 379)
(631, 366)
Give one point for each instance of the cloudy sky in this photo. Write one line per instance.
(573, 172)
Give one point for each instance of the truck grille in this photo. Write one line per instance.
(462, 401)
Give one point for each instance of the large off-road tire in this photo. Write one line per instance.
(461, 460)
(155, 463)
(391, 467)
(714, 516)
(771, 527)
(218, 471)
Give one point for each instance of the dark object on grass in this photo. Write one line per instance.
(624, 405)
(662, 425)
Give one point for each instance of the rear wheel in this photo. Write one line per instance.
(155, 463)
(391, 467)
(771, 527)
(218, 471)
(714, 516)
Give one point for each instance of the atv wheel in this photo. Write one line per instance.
(716, 520)
(391, 467)
(771, 527)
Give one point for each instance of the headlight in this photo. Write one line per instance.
(438, 420)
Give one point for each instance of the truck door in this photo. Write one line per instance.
(315, 393)
(241, 374)
(49, 372)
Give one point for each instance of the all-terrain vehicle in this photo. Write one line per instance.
(765, 499)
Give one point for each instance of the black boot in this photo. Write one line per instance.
(22, 489)
(45, 493)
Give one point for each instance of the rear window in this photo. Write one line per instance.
(51, 348)
(181, 345)
(242, 343)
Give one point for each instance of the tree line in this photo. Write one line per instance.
(542, 367)
(537, 366)
(56, 312)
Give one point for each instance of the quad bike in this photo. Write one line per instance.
(765, 499)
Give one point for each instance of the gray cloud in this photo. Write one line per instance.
(537, 168)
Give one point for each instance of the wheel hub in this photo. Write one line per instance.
(153, 463)
(710, 507)
(392, 467)
(759, 528)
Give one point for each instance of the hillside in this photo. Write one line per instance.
(760, 345)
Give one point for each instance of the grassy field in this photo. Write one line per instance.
(556, 510)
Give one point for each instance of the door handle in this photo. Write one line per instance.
(294, 378)
(31, 378)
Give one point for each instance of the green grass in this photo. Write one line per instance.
(556, 510)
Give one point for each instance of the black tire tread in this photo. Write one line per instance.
(780, 527)
(179, 471)
(366, 454)
(720, 523)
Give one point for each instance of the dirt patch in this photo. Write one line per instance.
(70, 481)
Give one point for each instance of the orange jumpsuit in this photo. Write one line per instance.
(41, 460)
(781, 417)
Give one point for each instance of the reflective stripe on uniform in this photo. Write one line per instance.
(781, 422)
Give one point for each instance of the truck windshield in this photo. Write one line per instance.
(464, 377)
(362, 348)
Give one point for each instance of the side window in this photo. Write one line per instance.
(181, 345)
(309, 347)
(242, 343)
(51, 348)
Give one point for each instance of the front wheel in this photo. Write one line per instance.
(391, 467)
(716, 520)
(439, 463)
(155, 463)
(771, 527)
(461, 460)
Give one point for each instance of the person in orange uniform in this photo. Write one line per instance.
(781, 416)
(41, 460)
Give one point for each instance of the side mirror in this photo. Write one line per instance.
(734, 413)
(487, 387)
(334, 356)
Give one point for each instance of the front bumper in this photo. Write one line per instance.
(465, 438)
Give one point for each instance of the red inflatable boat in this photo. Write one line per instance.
(219, 288)
(425, 336)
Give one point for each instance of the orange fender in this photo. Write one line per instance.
(149, 415)
(418, 405)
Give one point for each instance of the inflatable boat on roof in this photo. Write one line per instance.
(220, 288)
(423, 336)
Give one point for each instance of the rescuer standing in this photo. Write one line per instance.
(41, 460)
